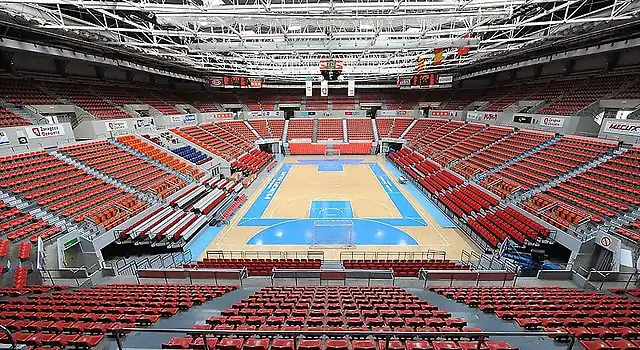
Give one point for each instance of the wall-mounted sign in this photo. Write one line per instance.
(621, 127)
(554, 122)
(115, 125)
(42, 131)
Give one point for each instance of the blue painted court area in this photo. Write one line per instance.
(331, 210)
(301, 232)
(260, 205)
(424, 201)
(401, 202)
(200, 243)
(330, 166)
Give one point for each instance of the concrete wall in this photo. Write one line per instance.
(82, 69)
(19, 139)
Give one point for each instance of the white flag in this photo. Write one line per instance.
(309, 88)
(324, 88)
(351, 87)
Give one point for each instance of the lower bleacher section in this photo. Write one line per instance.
(252, 162)
(257, 267)
(330, 308)
(403, 268)
(81, 318)
(598, 320)
(306, 148)
(353, 148)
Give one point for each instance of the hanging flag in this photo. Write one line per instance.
(324, 88)
(420, 64)
(437, 56)
(351, 87)
(308, 87)
(463, 50)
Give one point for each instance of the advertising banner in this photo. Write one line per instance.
(189, 118)
(116, 125)
(554, 122)
(4, 139)
(616, 126)
(176, 119)
(42, 131)
(145, 122)
(482, 116)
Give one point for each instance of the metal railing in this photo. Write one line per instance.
(405, 255)
(265, 254)
(12, 341)
(81, 275)
(194, 274)
(333, 275)
(388, 336)
(473, 276)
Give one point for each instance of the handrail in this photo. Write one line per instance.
(6, 331)
(387, 336)
(407, 255)
(265, 254)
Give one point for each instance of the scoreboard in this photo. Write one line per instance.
(236, 82)
(424, 81)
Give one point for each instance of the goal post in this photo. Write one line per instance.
(333, 232)
(332, 153)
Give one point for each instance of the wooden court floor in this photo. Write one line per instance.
(357, 184)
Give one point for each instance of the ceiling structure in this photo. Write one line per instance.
(283, 40)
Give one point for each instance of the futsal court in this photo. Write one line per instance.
(339, 204)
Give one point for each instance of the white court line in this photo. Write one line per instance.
(427, 216)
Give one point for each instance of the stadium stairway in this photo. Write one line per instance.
(406, 131)
(138, 154)
(426, 145)
(376, 137)
(345, 131)
(151, 199)
(448, 166)
(515, 159)
(314, 135)
(488, 323)
(250, 127)
(21, 112)
(183, 320)
(285, 131)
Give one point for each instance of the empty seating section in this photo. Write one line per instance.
(392, 127)
(520, 91)
(257, 267)
(342, 102)
(317, 103)
(435, 149)
(166, 223)
(300, 129)
(427, 138)
(8, 118)
(605, 191)
(557, 159)
(296, 148)
(268, 128)
(472, 144)
(161, 156)
(403, 268)
(252, 162)
(336, 309)
(599, 321)
(353, 148)
(216, 140)
(191, 154)
(328, 129)
(466, 200)
(630, 231)
(495, 227)
(16, 225)
(461, 98)
(428, 174)
(23, 92)
(126, 167)
(239, 129)
(81, 96)
(422, 127)
(359, 129)
(82, 318)
(500, 152)
(61, 187)
(593, 89)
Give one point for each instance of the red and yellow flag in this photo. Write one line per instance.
(463, 50)
(437, 56)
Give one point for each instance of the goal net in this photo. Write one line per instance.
(333, 232)
(332, 153)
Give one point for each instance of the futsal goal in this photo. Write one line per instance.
(333, 233)
(332, 153)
